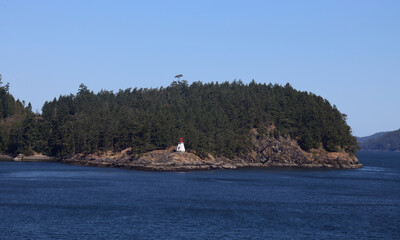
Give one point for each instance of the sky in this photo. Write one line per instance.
(347, 51)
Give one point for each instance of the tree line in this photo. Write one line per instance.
(18, 124)
(213, 118)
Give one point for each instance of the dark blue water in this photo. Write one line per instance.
(58, 201)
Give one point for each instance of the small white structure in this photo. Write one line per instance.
(180, 147)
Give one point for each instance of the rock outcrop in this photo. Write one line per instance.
(266, 152)
(36, 157)
(4, 157)
(285, 152)
(158, 160)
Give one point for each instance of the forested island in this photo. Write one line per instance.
(225, 125)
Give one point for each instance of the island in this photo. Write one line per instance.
(225, 126)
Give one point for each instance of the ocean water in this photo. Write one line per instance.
(59, 201)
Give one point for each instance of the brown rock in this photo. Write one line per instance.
(285, 152)
(266, 152)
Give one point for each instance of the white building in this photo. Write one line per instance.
(181, 146)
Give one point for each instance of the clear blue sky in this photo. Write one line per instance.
(346, 51)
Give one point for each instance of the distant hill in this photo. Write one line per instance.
(373, 136)
(384, 141)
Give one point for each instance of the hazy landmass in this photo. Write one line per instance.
(375, 135)
(385, 141)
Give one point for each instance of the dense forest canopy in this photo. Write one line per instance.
(17, 124)
(213, 118)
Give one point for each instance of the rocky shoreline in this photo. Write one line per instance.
(267, 152)
(164, 160)
(23, 158)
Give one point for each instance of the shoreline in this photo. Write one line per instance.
(165, 160)
(267, 152)
(23, 158)
(208, 167)
(181, 168)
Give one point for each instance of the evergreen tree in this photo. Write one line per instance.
(213, 118)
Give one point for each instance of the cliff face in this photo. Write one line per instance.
(285, 152)
(266, 152)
